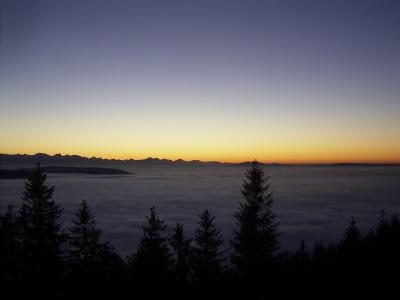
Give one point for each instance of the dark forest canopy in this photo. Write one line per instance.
(35, 248)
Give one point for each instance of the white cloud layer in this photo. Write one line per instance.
(311, 203)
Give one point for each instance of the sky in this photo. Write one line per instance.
(278, 81)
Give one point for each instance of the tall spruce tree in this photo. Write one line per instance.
(256, 237)
(84, 240)
(151, 263)
(89, 258)
(182, 255)
(39, 219)
(208, 257)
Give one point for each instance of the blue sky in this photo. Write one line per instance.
(223, 80)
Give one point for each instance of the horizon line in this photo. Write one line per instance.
(211, 161)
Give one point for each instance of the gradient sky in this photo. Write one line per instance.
(284, 81)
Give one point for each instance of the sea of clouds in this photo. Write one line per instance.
(311, 203)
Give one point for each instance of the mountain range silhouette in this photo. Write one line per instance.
(77, 160)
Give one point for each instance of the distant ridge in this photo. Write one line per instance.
(24, 173)
(77, 160)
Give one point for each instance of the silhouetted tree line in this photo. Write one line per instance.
(35, 248)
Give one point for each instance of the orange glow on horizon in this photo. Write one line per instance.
(283, 159)
(267, 140)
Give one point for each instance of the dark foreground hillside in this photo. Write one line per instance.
(36, 251)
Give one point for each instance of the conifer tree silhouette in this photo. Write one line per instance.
(41, 235)
(151, 263)
(301, 258)
(207, 254)
(84, 242)
(351, 254)
(383, 224)
(385, 241)
(352, 234)
(302, 253)
(182, 254)
(256, 238)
